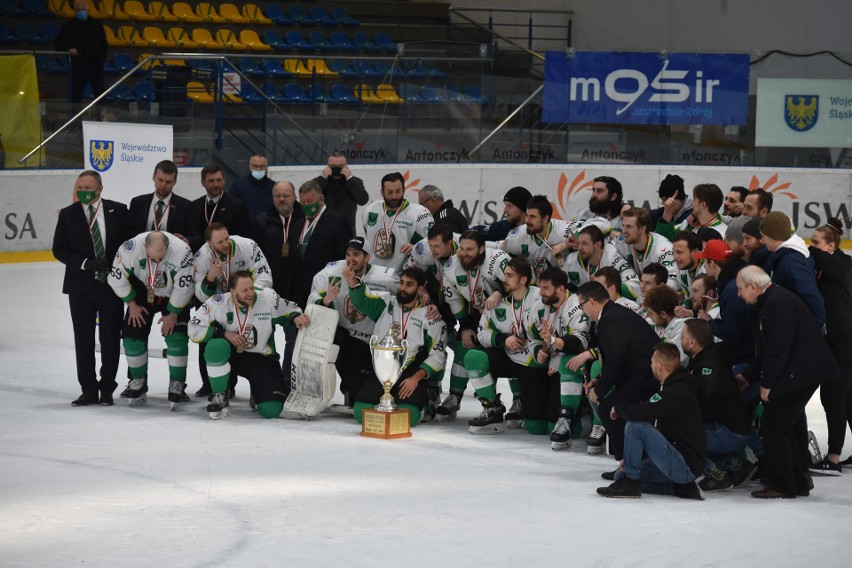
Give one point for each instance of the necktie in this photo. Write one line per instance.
(98, 241)
(211, 205)
(158, 214)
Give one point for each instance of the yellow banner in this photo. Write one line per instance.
(20, 120)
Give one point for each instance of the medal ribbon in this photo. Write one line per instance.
(212, 213)
(307, 226)
(159, 220)
(241, 325)
(518, 319)
(393, 221)
(636, 265)
(471, 292)
(152, 277)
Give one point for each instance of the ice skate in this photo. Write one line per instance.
(447, 410)
(176, 389)
(135, 392)
(218, 407)
(514, 419)
(490, 421)
(560, 438)
(431, 411)
(595, 441)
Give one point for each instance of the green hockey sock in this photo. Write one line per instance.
(270, 408)
(136, 351)
(216, 356)
(515, 386)
(177, 349)
(478, 369)
(536, 427)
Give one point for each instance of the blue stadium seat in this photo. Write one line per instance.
(474, 92)
(341, 41)
(318, 94)
(319, 14)
(6, 36)
(341, 68)
(123, 62)
(363, 42)
(276, 14)
(298, 14)
(49, 31)
(26, 33)
(432, 94)
(143, 91)
(274, 39)
(36, 8)
(385, 42)
(274, 68)
(411, 94)
(321, 42)
(249, 66)
(295, 93)
(365, 69)
(297, 41)
(343, 94)
(342, 16)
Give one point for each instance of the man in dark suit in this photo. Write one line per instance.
(87, 237)
(162, 210)
(626, 343)
(217, 206)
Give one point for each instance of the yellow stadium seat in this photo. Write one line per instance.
(61, 8)
(365, 93)
(229, 39)
(254, 13)
(94, 11)
(230, 13)
(197, 93)
(112, 11)
(250, 39)
(131, 37)
(149, 64)
(204, 39)
(182, 39)
(161, 12)
(155, 38)
(295, 67)
(174, 62)
(208, 12)
(184, 13)
(319, 66)
(387, 94)
(112, 39)
(136, 11)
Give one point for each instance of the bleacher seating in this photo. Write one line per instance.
(250, 39)
(203, 37)
(161, 12)
(184, 13)
(322, 17)
(136, 11)
(230, 40)
(232, 14)
(182, 38)
(207, 12)
(255, 14)
(155, 38)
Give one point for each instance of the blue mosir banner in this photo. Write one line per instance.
(645, 88)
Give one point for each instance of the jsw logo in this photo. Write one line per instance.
(669, 85)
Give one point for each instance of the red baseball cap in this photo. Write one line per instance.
(714, 250)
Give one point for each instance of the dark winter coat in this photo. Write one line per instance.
(834, 279)
(733, 326)
(344, 196)
(626, 343)
(789, 267)
(718, 393)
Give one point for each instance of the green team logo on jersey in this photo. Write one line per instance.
(525, 250)
(230, 317)
(461, 279)
(372, 218)
(656, 398)
(574, 277)
(500, 313)
(706, 371)
(504, 263)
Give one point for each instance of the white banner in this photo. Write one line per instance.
(804, 113)
(125, 155)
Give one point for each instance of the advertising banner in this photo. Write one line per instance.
(645, 88)
(804, 113)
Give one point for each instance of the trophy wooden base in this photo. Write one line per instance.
(386, 425)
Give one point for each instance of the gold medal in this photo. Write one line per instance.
(150, 295)
(285, 250)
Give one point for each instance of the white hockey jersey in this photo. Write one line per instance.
(580, 273)
(585, 214)
(421, 254)
(427, 339)
(628, 303)
(513, 318)
(376, 278)
(463, 288)
(245, 254)
(671, 334)
(567, 319)
(170, 278)
(535, 249)
(385, 233)
(685, 278)
(257, 324)
(659, 249)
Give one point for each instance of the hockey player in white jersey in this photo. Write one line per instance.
(472, 282)
(606, 202)
(593, 253)
(541, 240)
(685, 244)
(238, 327)
(392, 225)
(151, 273)
(660, 302)
(223, 254)
(406, 318)
(640, 247)
(707, 200)
(331, 290)
(508, 348)
(564, 329)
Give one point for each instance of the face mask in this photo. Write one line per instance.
(258, 175)
(86, 197)
(311, 209)
(82, 15)
(335, 171)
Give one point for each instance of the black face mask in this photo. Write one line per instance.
(336, 170)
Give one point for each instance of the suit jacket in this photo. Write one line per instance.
(626, 343)
(327, 243)
(270, 237)
(231, 212)
(177, 221)
(72, 242)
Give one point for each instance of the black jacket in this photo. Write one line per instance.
(256, 194)
(834, 279)
(760, 256)
(177, 221)
(718, 392)
(72, 242)
(733, 326)
(625, 342)
(794, 271)
(230, 211)
(87, 37)
(451, 216)
(791, 351)
(344, 196)
(496, 231)
(327, 243)
(677, 414)
(270, 237)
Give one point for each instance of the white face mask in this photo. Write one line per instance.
(258, 174)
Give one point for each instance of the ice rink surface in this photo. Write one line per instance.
(119, 486)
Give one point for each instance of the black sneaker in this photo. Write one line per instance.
(826, 467)
(689, 490)
(85, 400)
(205, 390)
(743, 474)
(624, 488)
(847, 461)
(609, 475)
(719, 480)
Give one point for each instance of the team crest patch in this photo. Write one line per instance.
(574, 277)
(372, 218)
(230, 317)
(706, 371)
(420, 248)
(351, 313)
(656, 398)
(500, 313)
(461, 279)
(801, 112)
(217, 299)
(129, 245)
(197, 254)
(101, 154)
(525, 250)
(250, 335)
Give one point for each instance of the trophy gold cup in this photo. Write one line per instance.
(386, 421)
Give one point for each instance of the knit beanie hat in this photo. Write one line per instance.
(735, 229)
(776, 226)
(671, 185)
(519, 197)
(752, 227)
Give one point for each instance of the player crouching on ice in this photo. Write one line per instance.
(406, 316)
(238, 328)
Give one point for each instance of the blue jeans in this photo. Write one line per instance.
(722, 443)
(664, 466)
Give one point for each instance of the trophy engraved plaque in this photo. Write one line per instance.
(386, 420)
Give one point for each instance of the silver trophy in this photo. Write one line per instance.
(388, 358)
